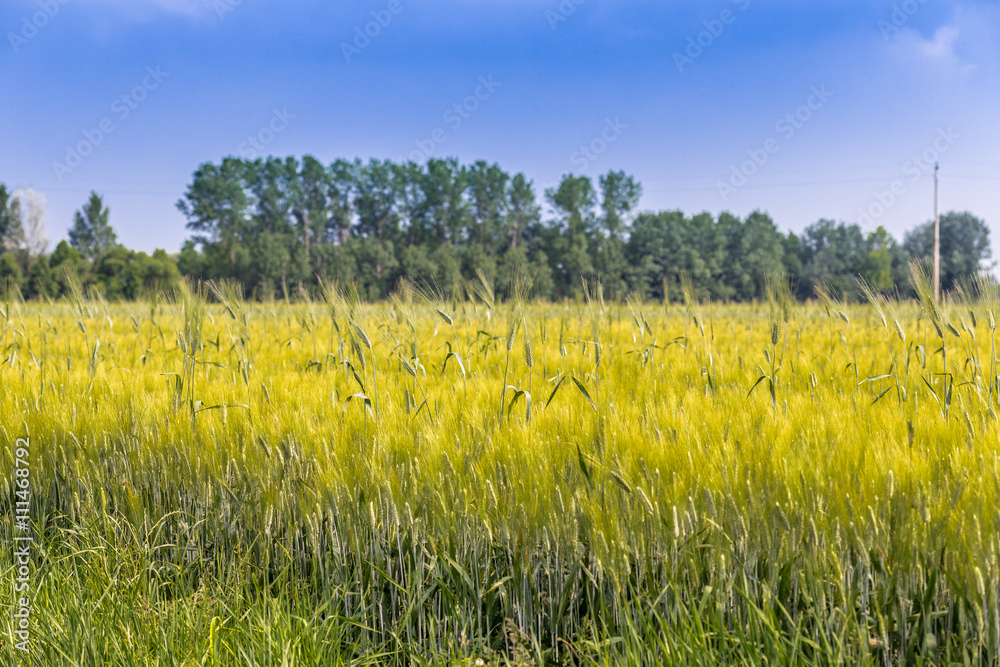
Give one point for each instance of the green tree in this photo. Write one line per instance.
(10, 274)
(114, 275)
(571, 258)
(523, 211)
(525, 244)
(620, 194)
(91, 232)
(754, 250)
(41, 282)
(965, 246)
(311, 209)
(447, 211)
(280, 223)
(489, 206)
(652, 251)
(411, 195)
(666, 246)
(216, 207)
(416, 263)
(449, 269)
(123, 274)
(877, 268)
(791, 257)
(378, 221)
(476, 258)
(68, 265)
(342, 191)
(833, 253)
(192, 263)
(702, 256)
(337, 262)
(270, 235)
(157, 272)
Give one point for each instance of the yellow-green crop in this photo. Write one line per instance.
(239, 483)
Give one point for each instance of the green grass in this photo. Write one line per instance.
(236, 483)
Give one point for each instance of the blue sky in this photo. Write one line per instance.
(804, 110)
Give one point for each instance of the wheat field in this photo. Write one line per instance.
(486, 481)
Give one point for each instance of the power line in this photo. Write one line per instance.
(715, 178)
(801, 183)
(937, 238)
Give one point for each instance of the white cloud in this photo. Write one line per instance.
(145, 8)
(942, 45)
(938, 50)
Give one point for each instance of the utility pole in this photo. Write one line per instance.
(937, 239)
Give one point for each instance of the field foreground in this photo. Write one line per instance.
(414, 483)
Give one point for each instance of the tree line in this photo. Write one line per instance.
(288, 226)
(91, 260)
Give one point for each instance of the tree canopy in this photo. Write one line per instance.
(285, 225)
(91, 232)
